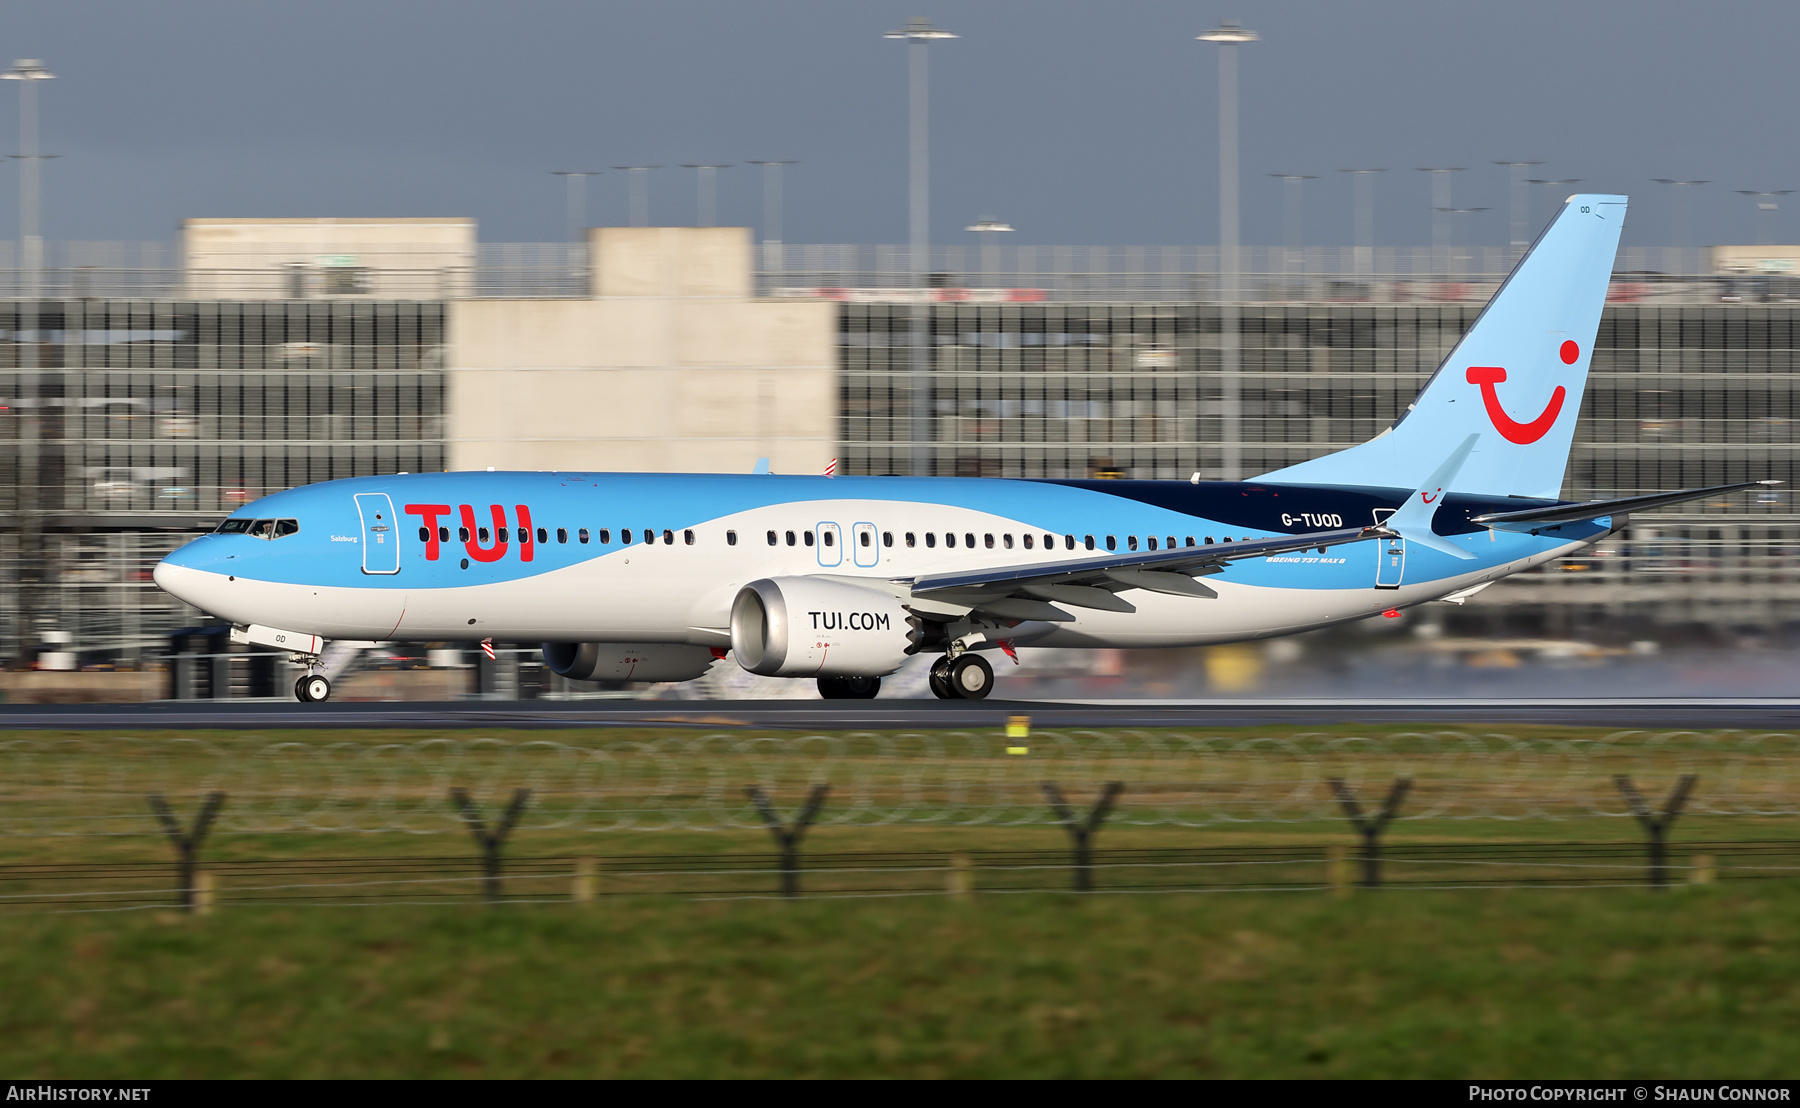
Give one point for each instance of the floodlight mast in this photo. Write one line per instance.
(28, 72)
(577, 182)
(1365, 218)
(706, 203)
(919, 34)
(989, 230)
(1521, 220)
(772, 260)
(1228, 36)
(1290, 214)
(1440, 202)
(640, 192)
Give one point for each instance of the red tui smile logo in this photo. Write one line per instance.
(1514, 431)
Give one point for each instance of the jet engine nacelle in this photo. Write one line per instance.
(618, 661)
(805, 627)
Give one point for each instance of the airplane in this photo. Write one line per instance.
(658, 577)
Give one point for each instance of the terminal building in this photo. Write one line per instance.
(149, 389)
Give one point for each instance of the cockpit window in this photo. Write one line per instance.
(260, 528)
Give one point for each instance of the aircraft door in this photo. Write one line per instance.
(1390, 552)
(380, 536)
(866, 545)
(830, 545)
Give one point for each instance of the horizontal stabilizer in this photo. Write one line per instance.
(1412, 521)
(1595, 509)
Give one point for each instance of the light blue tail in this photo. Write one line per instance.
(1515, 379)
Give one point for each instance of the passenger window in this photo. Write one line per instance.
(424, 534)
(1028, 541)
(790, 538)
(443, 534)
(863, 537)
(462, 534)
(1112, 543)
(1069, 542)
(1006, 541)
(731, 538)
(911, 539)
(1151, 542)
(1209, 541)
(649, 537)
(806, 537)
(1173, 544)
(1089, 540)
(969, 540)
(987, 540)
(543, 535)
(1130, 543)
(950, 539)
(688, 537)
(668, 537)
(772, 538)
(481, 534)
(502, 535)
(830, 539)
(606, 536)
(625, 536)
(930, 539)
(581, 536)
(562, 534)
(1190, 541)
(887, 539)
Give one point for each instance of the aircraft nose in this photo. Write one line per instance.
(187, 575)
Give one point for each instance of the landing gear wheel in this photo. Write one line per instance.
(312, 688)
(971, 678)
(849, 688)
(939, 680)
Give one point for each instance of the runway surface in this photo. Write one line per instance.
(1749, 713)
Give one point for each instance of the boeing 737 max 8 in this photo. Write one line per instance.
(656, 577)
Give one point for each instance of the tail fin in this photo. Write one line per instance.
(1527, 353)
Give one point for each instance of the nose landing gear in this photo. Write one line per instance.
(965, 677)
(312, 688)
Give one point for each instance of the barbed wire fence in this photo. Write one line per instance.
(116, 788)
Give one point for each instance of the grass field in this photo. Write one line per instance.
(1695, 982)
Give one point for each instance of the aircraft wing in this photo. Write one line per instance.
(1032, 591)
(1594, 509)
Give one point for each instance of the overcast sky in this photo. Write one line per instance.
(1078, 122)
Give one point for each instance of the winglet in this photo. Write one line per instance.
(1413, 521)
(761, 466)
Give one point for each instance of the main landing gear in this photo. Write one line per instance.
(312, 688)
(965, 677)
(849, 688)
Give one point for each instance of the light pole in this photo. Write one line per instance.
(707, 193)
(989, 230)
(1290, 213)
(577, 182)
(1440, 203)
(1365, 218)
(1766, 206)
(1520, 217)
(28, 72)
(1553, 185)
(1229, 36)
(640, 192)
(1450, 235)
(1679, 217)
(919, 34)
(772, 262)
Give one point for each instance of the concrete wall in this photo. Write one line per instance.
(672, 366)
(395, 259)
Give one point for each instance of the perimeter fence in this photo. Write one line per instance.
(97, 786)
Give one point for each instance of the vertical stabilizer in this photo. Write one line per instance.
(1515, 379)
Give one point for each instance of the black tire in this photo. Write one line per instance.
(300, 689)
(314, 689)
(831, 688)
(861, 688)
(940, 680)
(971, 677)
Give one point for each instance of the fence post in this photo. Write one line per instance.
(1337, 870)
(1371, 829)
(490, 842)
(187, 843)
(1657, 826)
(788, 838)
(962, 879)
(587, 881)
(1082, 832)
